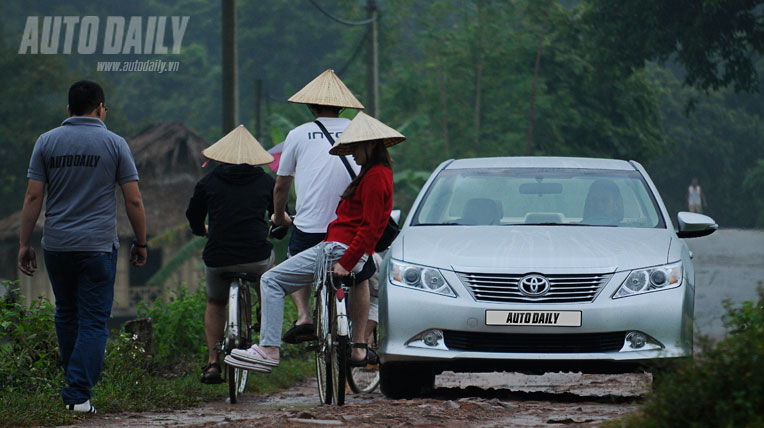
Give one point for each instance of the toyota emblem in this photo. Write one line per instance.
(534, 285)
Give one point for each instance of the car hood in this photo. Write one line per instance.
(547, 249)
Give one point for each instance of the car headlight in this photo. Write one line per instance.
(419, 277)
(657, 278)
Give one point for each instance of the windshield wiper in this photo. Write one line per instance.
(548, 224)
(438, 224)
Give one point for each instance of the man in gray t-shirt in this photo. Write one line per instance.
(80, 163)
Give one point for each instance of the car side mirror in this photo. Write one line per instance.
(396, 215)
(694, 225)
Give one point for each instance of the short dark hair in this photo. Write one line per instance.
(84, 97)
(321, 109)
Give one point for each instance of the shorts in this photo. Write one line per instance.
(217, 287)
(300, 241)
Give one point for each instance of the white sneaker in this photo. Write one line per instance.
(255, 355)
(246, 365)
(85, 407)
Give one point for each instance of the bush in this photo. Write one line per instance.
(721, 387)
(29, 358)
(178, 326)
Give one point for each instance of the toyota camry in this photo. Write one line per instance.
(536, 264)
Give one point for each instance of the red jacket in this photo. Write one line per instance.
(362, 218)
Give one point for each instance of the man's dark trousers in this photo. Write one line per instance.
(83, 283)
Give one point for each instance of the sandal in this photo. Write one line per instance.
(370, 359)
(300, 333)
(211, 377)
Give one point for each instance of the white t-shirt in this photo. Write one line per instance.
(319, 178)
(693, 195)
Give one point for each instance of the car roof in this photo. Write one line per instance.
(541, 162)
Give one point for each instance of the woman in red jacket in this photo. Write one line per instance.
(362, 215)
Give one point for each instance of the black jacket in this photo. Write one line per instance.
(236, 198)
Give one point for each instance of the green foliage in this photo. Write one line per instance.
(455, 77)
(132, 380)
(178, 325)
(722, 387)
(29, 358)
(718, 143)
(714, 40)
(752, 185)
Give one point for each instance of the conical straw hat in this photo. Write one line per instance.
(237, 147)
(327, 89)
(365, 128)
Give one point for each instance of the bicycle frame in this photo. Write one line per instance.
(233, 310)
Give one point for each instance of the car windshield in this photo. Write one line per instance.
(526, 197)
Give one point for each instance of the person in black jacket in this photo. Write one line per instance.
(236, 196)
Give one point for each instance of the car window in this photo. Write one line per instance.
(525, 196)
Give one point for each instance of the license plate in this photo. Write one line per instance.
(534, 318)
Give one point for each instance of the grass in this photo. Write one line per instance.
(31, 377)
(149, 393)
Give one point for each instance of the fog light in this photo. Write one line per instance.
(432, 337)
(428, 339)
(636, 340)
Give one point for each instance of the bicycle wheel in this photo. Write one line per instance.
(340, 352)
(240, 335)
(323, 356)
(365, 379)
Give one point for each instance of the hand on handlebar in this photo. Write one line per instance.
(339, 270)
(283, 220)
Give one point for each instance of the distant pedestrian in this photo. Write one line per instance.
(80, 163)
(696, 199)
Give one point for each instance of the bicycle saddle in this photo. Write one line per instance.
(246, 276)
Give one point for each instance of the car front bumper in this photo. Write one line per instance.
(665, 317)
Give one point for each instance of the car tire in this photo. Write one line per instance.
(404, 381)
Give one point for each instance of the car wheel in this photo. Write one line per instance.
(404, 381)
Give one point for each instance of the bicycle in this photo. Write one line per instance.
(332, 346)
(238, 330)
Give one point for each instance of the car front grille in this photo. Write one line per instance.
(564, 288)
(534, 343)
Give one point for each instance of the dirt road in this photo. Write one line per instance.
(459, 400)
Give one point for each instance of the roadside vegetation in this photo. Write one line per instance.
(723, 386)
(133, 380)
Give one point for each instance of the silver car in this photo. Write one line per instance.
(536, 264)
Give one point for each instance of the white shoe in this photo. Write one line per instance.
(255, 355)
(246, 365)
(85, 407)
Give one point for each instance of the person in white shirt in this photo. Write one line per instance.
(696, 199)
(319, 180)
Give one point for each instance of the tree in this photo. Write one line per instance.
(716, 41)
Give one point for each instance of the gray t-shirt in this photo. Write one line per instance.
(81, 162)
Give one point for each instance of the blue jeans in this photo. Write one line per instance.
(83, 283)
